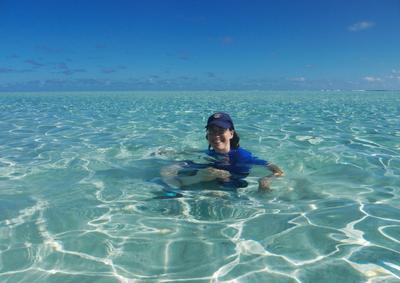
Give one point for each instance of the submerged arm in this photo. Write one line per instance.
(264, 182)
(205, 175)
(171, 177)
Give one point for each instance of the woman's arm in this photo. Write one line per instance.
(264, 182)
(170, 176)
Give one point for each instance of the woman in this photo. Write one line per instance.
(230, 163)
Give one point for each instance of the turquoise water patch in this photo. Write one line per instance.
(80, 188)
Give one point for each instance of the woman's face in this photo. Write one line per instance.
(219, 139)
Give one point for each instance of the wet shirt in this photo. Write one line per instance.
(238, 162)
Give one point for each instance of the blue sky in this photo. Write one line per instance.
(199, 45)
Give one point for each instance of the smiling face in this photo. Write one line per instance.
(219, 139)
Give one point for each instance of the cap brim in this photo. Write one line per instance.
(219, 123)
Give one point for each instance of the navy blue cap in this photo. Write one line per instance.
(220, 119)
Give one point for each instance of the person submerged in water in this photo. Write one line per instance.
(229, 163)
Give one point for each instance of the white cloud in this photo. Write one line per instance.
(298, 79)
(372, 79)
(361, 26)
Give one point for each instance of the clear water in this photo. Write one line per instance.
(79, 173)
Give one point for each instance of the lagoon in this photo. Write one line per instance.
(79, 173)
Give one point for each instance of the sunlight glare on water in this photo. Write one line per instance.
(79, 173)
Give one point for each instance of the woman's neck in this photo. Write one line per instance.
(223, 151)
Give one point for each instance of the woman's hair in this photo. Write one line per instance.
(234, 141)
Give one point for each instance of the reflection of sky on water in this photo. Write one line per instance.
(79, 174)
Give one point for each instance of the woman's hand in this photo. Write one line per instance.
(276, 171)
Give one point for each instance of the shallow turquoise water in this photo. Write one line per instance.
(79, 173)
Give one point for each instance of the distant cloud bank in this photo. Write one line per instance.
(34, 63)
(298, 79)
(6, 70)
(359, 26)
(372, 79)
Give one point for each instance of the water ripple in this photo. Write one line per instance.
(79, 173)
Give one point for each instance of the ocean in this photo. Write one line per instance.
(80, 188)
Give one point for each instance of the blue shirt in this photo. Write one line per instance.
(237, 161)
